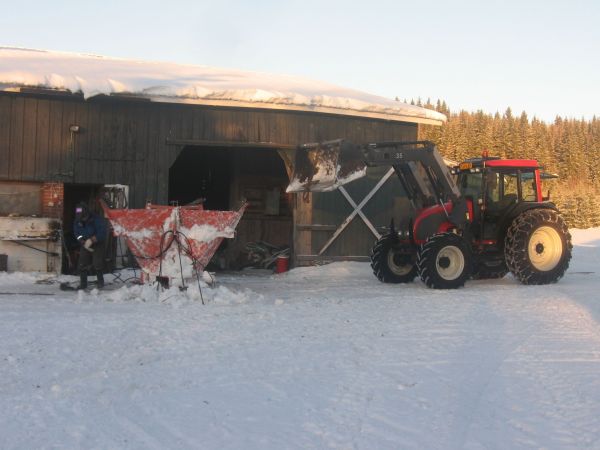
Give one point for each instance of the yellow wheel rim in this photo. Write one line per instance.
(545, 248)
(397, 269)
(450, 263)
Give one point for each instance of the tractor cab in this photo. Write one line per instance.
(498, 190)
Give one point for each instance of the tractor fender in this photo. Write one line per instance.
(518, 209)
(432, 220)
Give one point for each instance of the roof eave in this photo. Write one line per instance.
(303, 108)
(244, 104)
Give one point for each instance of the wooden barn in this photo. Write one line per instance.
(70, 125)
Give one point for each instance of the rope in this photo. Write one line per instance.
(162, 241)
(180, 263)
(194, 263)
(199, 287)
(161, 252)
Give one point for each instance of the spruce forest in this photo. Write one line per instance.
(568, 148)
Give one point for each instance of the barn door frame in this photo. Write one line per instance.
(357, 211)
(304, 252)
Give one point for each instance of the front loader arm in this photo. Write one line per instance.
(421, 169)
(419, 166)
(420, 159)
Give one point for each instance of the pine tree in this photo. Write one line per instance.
(568, 147)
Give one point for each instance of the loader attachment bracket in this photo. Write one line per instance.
(325, 166)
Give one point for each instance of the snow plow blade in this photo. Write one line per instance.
(172, 241)
(325, 166)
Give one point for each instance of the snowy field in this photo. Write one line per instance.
(321, 357)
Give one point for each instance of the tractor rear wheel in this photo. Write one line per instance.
(393, 262)
(444, 261)
(537, 248)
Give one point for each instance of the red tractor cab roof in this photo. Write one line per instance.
(518, 163)
(494, 161)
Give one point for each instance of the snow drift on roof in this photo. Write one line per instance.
(167, 82)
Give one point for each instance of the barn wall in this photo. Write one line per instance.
(126, 141)
(331, 208)
(135, 142)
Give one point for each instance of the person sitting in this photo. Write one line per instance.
(90, 231)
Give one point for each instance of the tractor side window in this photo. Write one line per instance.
(528, 187)
(492, 180)
(502, 190)
(511, 186)
(470, 185)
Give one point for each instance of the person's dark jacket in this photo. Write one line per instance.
(94, 225)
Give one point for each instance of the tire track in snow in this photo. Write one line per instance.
(489, 341)
(523, 394)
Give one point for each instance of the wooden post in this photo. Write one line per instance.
(303, 209)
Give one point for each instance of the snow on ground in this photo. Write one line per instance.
(321, 357)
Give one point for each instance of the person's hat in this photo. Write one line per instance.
(82, 211)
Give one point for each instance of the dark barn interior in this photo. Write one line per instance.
(225, 177)
(201, 173)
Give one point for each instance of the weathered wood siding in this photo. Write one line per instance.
(127, 141)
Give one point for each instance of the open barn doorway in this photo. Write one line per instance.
(200, 174)
(223, 177)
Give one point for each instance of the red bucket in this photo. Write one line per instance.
(282, 264)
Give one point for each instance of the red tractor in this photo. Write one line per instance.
(480, 219)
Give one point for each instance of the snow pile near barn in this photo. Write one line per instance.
(219, 295)
(94, 75)
(320, 357)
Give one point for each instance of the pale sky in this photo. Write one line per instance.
(537, 56)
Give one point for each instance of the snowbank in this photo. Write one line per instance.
(167, 82)
(219, 295)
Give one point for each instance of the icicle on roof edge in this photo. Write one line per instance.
(179, 83)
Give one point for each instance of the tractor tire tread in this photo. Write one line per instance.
(426, 261)
(379, 264)
(516, 243)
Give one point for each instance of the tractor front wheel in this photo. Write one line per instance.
(444, 261)
(538, 247)
(393, 262)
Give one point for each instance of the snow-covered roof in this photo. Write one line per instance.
(178, 83)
